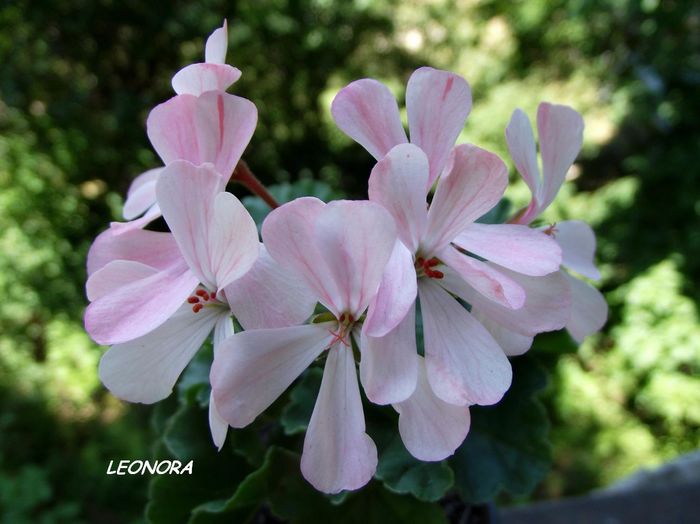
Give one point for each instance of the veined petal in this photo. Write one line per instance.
(389, 364)
(514, 246)
(338, 455)
(114, 275)
(523, 151)
(589, 310)
(217, 425)
(146, 369)
(186, 195)
(474, 185)
(561, 136)
(355, 239)
(253, 368)
(396, 294)
(288, 233)
(437, 103)
(158, 250)
(196, 79)
(430, 428)
(135, 309)
(142, 194)
(233, 240)
(577, 242)
(367, 112)
(464, 363)
(512, 343)
(491, 283)
(398, 183)
(547, 303)
(171, 129)
(270, 295)
(151, 214)
(217, 43)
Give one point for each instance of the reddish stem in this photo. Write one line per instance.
(244, 176)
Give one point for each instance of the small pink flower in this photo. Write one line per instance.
(561, 137)
(339, 250)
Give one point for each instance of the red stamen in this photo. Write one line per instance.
(432, 262)
(213, 295)
(193, 300)
(197, 308)
(200, 292)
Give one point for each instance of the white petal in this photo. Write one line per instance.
(511, 342)
(589, 310)
(142, 194)
(217, 425)
(115, 275)
(577, 241)
(215, 48)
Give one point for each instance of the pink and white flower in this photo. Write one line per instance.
(339, 250)
(560, 131)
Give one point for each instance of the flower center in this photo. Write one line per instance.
(425, 267)
(345, 324)
(202, 298)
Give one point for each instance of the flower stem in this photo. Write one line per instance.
(244, 176)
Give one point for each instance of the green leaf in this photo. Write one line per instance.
(193, 385)
(507, 447)
(498, 214)
(401, 473)
(296, 415)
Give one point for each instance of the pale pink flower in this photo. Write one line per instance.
(560, 131)
(437, 104)
(339, 250)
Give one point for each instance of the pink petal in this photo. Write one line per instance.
(288, 233)
(217, 43)
(270, 295)
(151, 214)
(577, 242)
(217, 425)
(430, 428)
(355, 239)
(488, 281)
(523, 151)
(338, 455)
(561, 137)
(474, 185)
(186, 196)
(589, 310)
(197, 79)
(367, 112)
(114, 275)
(158, 250)
(389, 364)
(214, 127)
(547, 303)
(142, 194)
(512, 343)
(253, 368)
(516, 247)
(398, 183)
(437, 103)
(396, 294)
(464, 363)
(233, 240)
(146, 369)
(135, 309)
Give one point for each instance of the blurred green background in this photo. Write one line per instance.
(78, 77)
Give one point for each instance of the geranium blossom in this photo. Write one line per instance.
(340, 251)
(561, 137)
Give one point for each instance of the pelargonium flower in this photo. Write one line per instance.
(437, 105)
(561, 137)
(339, 250)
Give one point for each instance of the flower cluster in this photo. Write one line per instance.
(345, 280)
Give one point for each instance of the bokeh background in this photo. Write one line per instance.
(78, 77)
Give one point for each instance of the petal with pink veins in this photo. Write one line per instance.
(142, 194)
(523, 151)
(430, 428)
(338, 455)
(547, 303)
(367, 112)
(146, 369)
(217, 425)
(437, 103)
(114, 275)
(389, 364)
(577, 242)
(396, 294)
(398, 183)
(288, 234)
(472, 187)
(270, 295)
(355, 239)
(589, 310)
(487, 280)
(464, 363)
(253, 368)
(514, 246)
(135, 309)
(512, 343)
